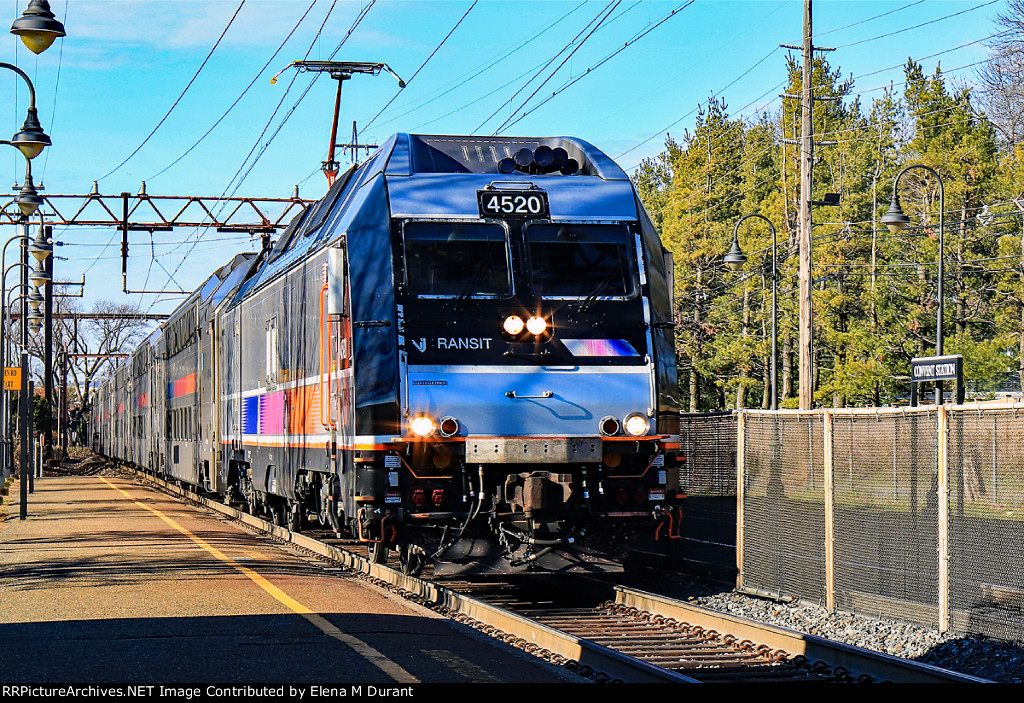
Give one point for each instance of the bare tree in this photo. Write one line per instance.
(1001, 78)
(92, 345)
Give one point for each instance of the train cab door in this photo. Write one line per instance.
(340, 326)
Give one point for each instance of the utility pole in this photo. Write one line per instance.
(806, 280)
(805, 344)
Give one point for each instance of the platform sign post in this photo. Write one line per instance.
(12, 382)
(23, 472)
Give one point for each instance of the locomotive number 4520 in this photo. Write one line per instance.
(510, 204)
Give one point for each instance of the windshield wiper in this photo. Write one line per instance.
(600, 289)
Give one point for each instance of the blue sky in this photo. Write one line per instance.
(103, 89)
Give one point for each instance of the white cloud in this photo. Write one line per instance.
(186, 24)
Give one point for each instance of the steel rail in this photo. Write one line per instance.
(856, 660)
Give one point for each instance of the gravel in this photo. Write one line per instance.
(977, 656)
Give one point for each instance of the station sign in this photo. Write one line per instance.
(937, 368)
(12, 378)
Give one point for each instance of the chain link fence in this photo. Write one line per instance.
(916, 514)
(708, 478)
(986, 522)
(782, 493)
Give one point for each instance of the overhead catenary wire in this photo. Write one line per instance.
(579, 45)
(241, 95)
(422, 65)
(56, 92)
(589, 71)
(239, 175)
(179, 98)
(484, 67)
(145, 285)
(358, 20)
(544, 65)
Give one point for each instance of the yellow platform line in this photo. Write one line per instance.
(366, 651)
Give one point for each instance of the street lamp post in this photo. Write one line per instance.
(7, 456)
(895, 220)
(37, 28)
(735, 260)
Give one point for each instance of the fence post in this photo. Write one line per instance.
(942, 501)
(741, 423)
(830, 559)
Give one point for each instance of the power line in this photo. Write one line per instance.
(240, 95)
(483, 68)
(425, 62)
(551, 75)
(189, 85)
(776, 87)
(918, 26)
(869, 19)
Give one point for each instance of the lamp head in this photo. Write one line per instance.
(40, 248)
(735, 258)
(28, 199)
(31, 140)
(39, 276)
(894, 218)
(37, 27)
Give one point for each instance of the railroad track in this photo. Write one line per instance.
(613, 633)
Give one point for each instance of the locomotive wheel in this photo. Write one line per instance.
(294, 516)
(412, 559)
(279, 513)
(377, 552)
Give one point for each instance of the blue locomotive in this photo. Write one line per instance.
(463, 352)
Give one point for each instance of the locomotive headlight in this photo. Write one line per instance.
(536, 325)
(636, 425)
(422, 426)
(513, 325)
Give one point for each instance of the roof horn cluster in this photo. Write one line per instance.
(541, 160)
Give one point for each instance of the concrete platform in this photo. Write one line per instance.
(108, 581)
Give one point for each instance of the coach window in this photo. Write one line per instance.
(581, 260)
(456, 259)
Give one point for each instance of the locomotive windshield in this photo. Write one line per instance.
(581, 261)
(455, 259)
